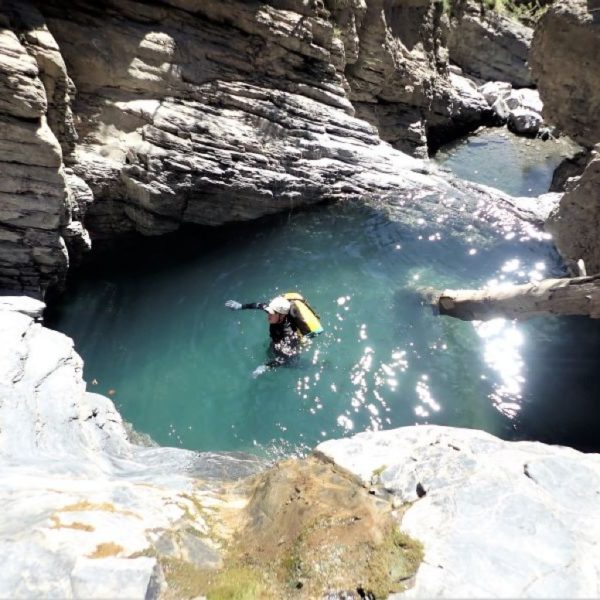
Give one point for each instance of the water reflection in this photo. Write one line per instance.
(383, 361)
(502, 342)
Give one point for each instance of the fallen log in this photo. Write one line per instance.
(569, 296)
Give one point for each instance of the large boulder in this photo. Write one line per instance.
(496, 519)
(524, 121)
(563, 52)
(576, 223)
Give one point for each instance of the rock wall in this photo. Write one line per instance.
(562, 57)
(489, 45)
(576, 223)
(32, 187)
(147, 115)
(41, 206)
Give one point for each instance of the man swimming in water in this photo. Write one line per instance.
(285, 342)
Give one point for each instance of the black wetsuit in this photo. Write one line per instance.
(285, 342)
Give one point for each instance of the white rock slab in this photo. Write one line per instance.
(77, 499)
(497, 519)
(96, 578)
(23, 304)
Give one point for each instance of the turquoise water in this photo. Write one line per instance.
(148, 317)
(518, 165)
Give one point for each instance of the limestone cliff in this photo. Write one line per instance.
(562, 58)
(489, 45)
(139, 116)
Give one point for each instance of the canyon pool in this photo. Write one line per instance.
(148, 318)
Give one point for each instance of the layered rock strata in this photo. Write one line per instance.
(40, 213)
(562, 58)
(208, 112)
(32, 187)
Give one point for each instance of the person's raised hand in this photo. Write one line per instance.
(259, 371)
(233, 305)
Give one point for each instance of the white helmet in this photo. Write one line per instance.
(279, 305)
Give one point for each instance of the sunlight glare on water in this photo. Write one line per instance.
(150, 323)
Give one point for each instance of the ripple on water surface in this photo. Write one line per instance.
(150, 323)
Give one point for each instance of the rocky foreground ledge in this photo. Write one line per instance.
(430, 511)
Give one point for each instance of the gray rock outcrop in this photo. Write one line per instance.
(489, 45)
(496, 519)
(562, 59)
(566, 40)
(209, 112)
(37, 210)
(576, 223)
(32, 186)
(86, 513)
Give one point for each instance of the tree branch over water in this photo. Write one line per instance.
(569, 296)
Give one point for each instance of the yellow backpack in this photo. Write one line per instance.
(304, 317)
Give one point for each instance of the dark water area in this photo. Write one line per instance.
(148, 317)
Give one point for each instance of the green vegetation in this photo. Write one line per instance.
(386, 566)
(237, 583)
(232, 582)
(379, 470)
(526, 12)
(392, 563)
